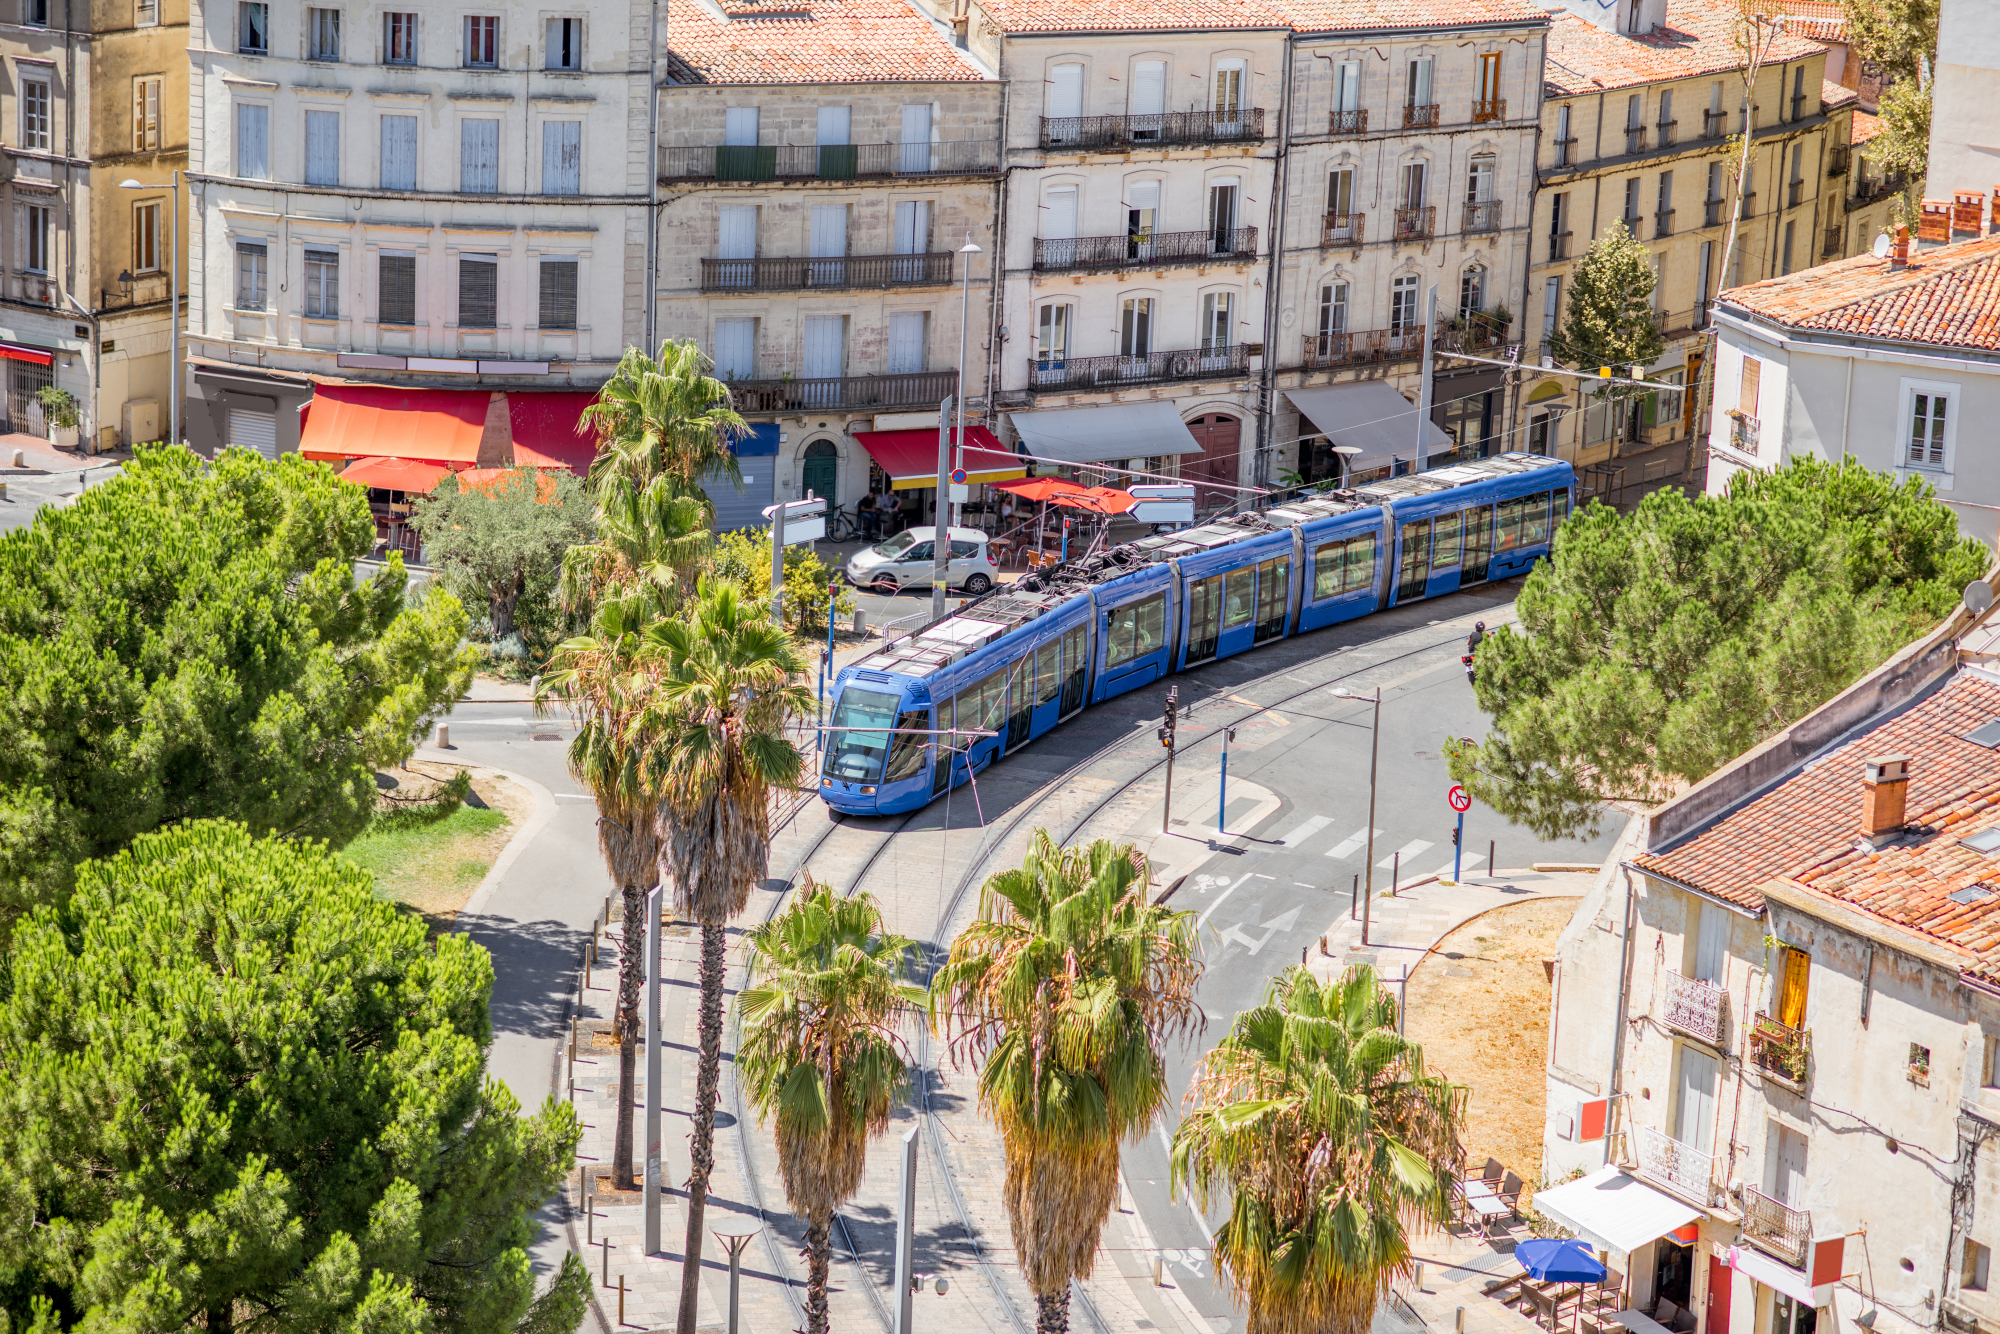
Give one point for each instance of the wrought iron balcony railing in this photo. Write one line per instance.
(1635, 139)
(1774, 1048)
(1416, 224)
(1482, 215)
(1365, 346)
(1837, 159)
(1138, 250)
(1563, 147)
(1423, 117)
(1711, 124)
(829, 162)
(1664, 133)
(1830, 244)
(1663, 223)
(1122, 133)
(848, 271)
(1347, 122)
(1776, 1227)
(1489, 108)
(1053, 375)
(1558, 246)
(1677, 1165)
(1696, 1008)
(843, 391)
(1794, 190)
(1341, 228)
(1712, 212)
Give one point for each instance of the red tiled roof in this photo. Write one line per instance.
(1817, 20)
(1814, 816)
(1832, 95)
(1353, 15)
(1695, 40)
(1114, 16)
(812, 41)
(1866, 127)
(1945, 297)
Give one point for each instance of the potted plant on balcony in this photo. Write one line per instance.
(59, 411)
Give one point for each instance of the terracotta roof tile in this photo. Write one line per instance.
(1866, 127)
(1695, 40)
(1813, 817)
(811, 41)
(1353, 15)
(1833, 96)
(1946, 297)
(1303, 15)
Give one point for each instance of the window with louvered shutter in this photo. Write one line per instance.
(399, 152)
(322, 148)
(478, 291)
(146, 115)
(322, 284)
(396, 301)
(562, 157)
(253, 141)
(906, 342)
(250, 275)
(1065, 91)
(735, 349)
(146, 13)
(479, 157)
(558, 306)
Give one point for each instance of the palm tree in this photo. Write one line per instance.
(818, 1053)
(649, 539)
(600, 678)
(1332, 1141)
(664, 416)
(725, 682)
(1067, 986)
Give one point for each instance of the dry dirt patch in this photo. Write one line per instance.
(433, 867)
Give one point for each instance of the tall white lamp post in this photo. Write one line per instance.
(965, 254)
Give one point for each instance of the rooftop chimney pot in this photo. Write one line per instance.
(1885, 782)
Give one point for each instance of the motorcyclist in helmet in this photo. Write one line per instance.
(1473, 640)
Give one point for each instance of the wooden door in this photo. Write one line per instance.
(1221, 438)
(1716, 1310)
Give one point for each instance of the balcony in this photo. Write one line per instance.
(829, 162)
(1477, 333)
(1145, 250)
(1482, 215)
(1663, 223)
(1777, 1228)
(1712, 212)
(1558, 246)
(1777, 1051)
(1347, 122)
(1563, 150)
(1837, 160)
(1663, 133)
(1077, 374)
(1421, 117)
(1341, 228)
(832, 274)
(1829, 246)
(1369, 346)
(1489, 108)
(1682, 1168)
(1792, 193)
(1416, 224)
(1749, 209)
(1696, 1008)
(1635, 139)
(1711, 124)
(1118, 134)
(918, 389)
(34, 288)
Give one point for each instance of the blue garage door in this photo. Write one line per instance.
(757, 456)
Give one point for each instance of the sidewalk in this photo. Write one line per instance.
(39, 457)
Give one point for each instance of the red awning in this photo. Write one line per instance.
(547, 433)
(40, 356)
(395, 474)
(910, 457)
(482, 479)
(379, 421)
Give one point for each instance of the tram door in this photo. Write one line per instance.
(1414, 570)
(1075, 664)
(1478, 545)
(942, 754)
(1020, 700)
(1047, 664)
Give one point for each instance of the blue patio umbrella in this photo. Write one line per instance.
(1559, 1261)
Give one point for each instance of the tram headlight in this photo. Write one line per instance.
(867, 791)
(826, 782)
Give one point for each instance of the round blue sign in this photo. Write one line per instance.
(958, 477)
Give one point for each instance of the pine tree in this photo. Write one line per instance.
(1609, 321)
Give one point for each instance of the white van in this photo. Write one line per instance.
(905, 561)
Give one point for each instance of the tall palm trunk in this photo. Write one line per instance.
(1052, 1312)
(631, 976)
(702, 1150)
(819, 1251)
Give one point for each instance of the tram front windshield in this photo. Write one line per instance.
(857, 756)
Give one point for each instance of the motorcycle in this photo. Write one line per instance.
(1467, 660)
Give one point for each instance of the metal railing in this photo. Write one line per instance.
(1117, 133)
(1664, 135)
(1424, 117)
(1775, 1226)
(1341, 228)
(1115, 372)
(1712, 212)
(843, 391)
(1347, 122)
(1696, 1008)
(1635, 139)
(1482, 215)
(1711, 124)
(1477, 333)
(1416, 224)
(1792, 193)
(1749, 209)
(1489, 108)
(1364, 346)
(1663, 222)
(1558, 246)
(1830, 243)
(1837, 159)
(847, 271)
(828, 162)
(1774, 1048)
(1677, 1165)
(1143, 249)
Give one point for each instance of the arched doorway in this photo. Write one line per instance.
(1221, 439)
(819, 470)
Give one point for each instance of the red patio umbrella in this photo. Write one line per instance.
(1039, 488)
(407, 475)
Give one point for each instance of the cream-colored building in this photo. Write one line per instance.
(1776, 1020)
(1639, 108)
(84, 305)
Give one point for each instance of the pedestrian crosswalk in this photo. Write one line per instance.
(1350, 848)
(1406, 852)
(1294, 837)
(1350, 845)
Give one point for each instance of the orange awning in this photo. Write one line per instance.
(395, 474)
(547, 433)
(482, 479)
(910, 457)
(377, 421)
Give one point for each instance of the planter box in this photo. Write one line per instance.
(63, 436)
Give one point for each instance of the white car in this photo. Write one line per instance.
(905, 561)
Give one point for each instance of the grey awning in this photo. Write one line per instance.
(1369, 415)
(1105, 435)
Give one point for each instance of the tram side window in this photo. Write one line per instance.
(906, 751)
(1561, 507)
(1239, 588)
(980, 705)
(1135, 630)
(1444, 541)
(1535, 519)
(1273, 584)
(1074, 644)
(1344, 567)
(1047, 679)
(857, 755)
(1508, 535)
(948, 746)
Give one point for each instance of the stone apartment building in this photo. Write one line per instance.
(93, 95)
(1640, 105)
(821, 167)
(1774, 1033)
(423, 218)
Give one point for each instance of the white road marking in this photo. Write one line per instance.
(1404, 853)
(1201, 1223)
(1350, 845)
(1203, 919)
(1466, 865)
(524, 722)
(1282, 922)
(1305, 831)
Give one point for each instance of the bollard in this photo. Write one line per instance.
(1420, 1278)
(3, 490)
(1354, 898)
(1395, 873)
(1460, 1325)
(606, 1275)
(20, 458)
(1302, 954)
(444, 736)
(1159, 1271)
(1491, 869)
(621, 1301)
(1322, 947)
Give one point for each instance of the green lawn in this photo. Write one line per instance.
(432, 867)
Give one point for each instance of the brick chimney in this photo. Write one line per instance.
(1884, 782)
(1899, 249)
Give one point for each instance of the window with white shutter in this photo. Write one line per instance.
(399, 152)
(827, 244)
(146, 114)
(253, 141)
(35, 103)
(565, 44)
(1059, 219)
(479, 157)
(1065, 91)
(913, 226)
(322, 284)
(478, 291)
(736, 349)
(322, 148)
(562, 157)
(558, 295)
(396, 297)
(251, 282)
(825, 347)
(907, 341)
(739, 127)
(736, 236)
(835, 125)
(916, 155)
(1149, 88)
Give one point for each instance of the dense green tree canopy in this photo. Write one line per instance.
(190, 640)
(503, 542)
(239, 1087)
(1609, 320)
(1654, 646)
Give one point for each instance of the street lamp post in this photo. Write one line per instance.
(1374, 751)
(173, 300)
(965, 253)
(735, 1233)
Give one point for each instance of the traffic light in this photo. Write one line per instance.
(1454, 836)
(1172, 718)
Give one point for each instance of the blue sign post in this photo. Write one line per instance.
(1461, 801)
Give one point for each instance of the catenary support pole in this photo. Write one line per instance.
(655, 1041)
(940, 533)
(906, 1233)
(1424, 384)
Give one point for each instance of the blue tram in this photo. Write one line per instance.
(1027, 656)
